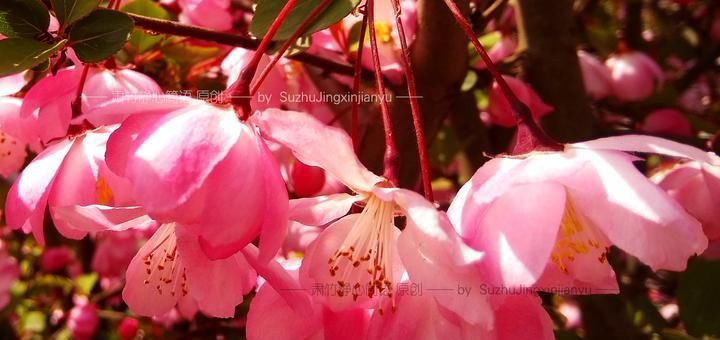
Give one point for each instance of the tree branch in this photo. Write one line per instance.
(175, 28)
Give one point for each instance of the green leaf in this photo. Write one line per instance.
(698, 297)
(267, 10)
(20, 54)
(34, 322)
(85, 283)
(139, 39)
(70, 11)
(23, 18)
(99, 35)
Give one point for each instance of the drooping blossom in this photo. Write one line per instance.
(71, 172)
(212, 195)
(667, 122)
(499, 107)
(635, 76)
(83, 319)
(596, 76)
(360, 257)
(696, 186)
(548, 218)
(49, 100)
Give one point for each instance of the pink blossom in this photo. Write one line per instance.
(198, 192)
(213, 14)
(596, 76)
(49, 100)
(667, 122)
(547, 219)
(635, 76)
(571, 311)
(696, 186)
(427, 246)
(54, 259)
(499, 107)
(83, 319)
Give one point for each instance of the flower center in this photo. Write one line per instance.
(576, 238)
(383, 31)
(363, 262)
(164, 266)
(103, 193)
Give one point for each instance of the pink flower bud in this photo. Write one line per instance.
(128, 328)
(499, 107)
(634, 76)
(596, 76)
(667, 122)
(54, 259)
(306, 180)
(83, 319)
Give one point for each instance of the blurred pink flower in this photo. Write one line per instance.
(499, 107)
(128, 327)
(9, 273)
(596, 76)
(115, 250)
(547, 219)
(504, 48)
(212, 14)
(83, 320)
(635, 76)
(696, 186)
(667, 122)
(56, 258)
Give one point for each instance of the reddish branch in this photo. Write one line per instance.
(175, 28)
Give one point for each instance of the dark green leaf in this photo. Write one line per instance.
(100, 34)
(20, 54)
(699, 298)
(268, 10)
(23, 18)
(70, 11)
(139, 39)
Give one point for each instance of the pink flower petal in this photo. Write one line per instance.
(648, 144)
(318, 145)
(26, 200)
(93, 218)
(321, 210)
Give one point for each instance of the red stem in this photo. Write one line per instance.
(521, 112)
(355, 119)
(299, 31)
(414, 106)
(240, 90)
(391, 154)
